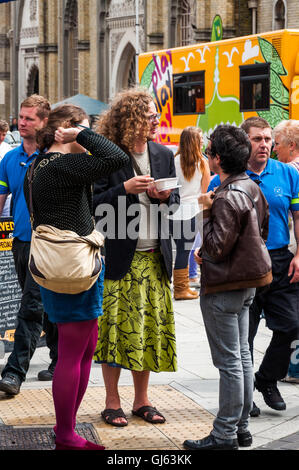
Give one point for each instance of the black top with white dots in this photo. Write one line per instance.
(62, 183)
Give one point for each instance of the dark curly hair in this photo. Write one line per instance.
(66, 115)
(233, 147)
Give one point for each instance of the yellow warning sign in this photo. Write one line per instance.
(6, 226)
(6, 244)
(6, 234)
(8, 335)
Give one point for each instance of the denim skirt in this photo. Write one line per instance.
(64, 308)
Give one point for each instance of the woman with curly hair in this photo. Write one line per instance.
(137, 329)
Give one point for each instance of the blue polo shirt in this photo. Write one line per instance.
(13, 168)
(280, 185)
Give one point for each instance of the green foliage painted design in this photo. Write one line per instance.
(146, 78)
(279, 93)
(275, 114)
(271, 55)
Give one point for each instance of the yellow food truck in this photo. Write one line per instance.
(225, 81)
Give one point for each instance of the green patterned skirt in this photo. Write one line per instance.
(137, 329)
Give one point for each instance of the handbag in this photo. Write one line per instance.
(61, 260)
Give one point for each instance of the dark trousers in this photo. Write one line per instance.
(279, 303)
(183, 232)
(31, 319)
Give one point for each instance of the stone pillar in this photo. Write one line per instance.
(85, 65)
(252, 5)
(6, 37)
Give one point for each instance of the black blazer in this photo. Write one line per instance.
(120, 249)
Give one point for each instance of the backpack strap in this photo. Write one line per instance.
(30, 180)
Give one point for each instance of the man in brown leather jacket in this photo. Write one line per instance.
(234, 261)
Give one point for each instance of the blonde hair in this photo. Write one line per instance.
(190, 152)
(288, 131)
(3, 125)
(127, 118)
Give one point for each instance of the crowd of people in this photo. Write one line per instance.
(240, 226)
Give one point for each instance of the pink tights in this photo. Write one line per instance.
(76, 345)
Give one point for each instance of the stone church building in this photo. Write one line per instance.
(59, 48)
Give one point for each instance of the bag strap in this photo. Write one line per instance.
(30, 180)
(234, 187)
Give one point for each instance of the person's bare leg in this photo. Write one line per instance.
(141, 380)
(111, 377)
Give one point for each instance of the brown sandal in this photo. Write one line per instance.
(110, 415)
(147, 413)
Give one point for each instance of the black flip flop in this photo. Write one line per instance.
(110, 415)
(151, 412)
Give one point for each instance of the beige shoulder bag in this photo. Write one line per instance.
(61, 260)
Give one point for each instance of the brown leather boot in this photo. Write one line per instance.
(181, 287)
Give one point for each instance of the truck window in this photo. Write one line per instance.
(255, 87)
(189, 93)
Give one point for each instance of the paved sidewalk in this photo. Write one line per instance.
(196, 382)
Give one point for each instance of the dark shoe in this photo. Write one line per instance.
(255, 411)
(147, 413)
(211, 443)
(271, 395)
(110, 415)
(244, 439)
(10, 384)
(47, 375)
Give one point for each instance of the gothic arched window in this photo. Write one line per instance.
(126, 68)
(132, 73)
(279, 15)
(71, 66)
(33, 81)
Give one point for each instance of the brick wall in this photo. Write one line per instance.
(264, 16)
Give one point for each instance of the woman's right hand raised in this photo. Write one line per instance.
(138, 184)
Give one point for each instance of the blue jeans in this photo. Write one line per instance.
(193, 266)
(226, 319)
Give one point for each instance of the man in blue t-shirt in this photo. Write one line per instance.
(280, 185)
(31, 319)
